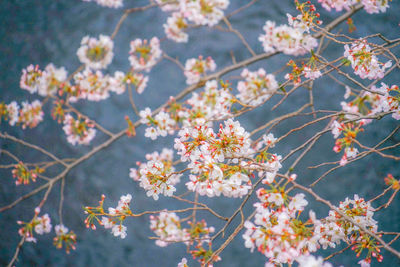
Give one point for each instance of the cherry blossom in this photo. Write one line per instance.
(44, 82)
(119, 230)
(43, 224)
(307, 17)
(311, 74)
(364, 62)
(31, 114)
(64, 237)
(334, 229)
(298, 202)
(167, 5)
(108, 3)
(183, 263)
(51, 79)
(349, 153)
(113, 219)
(160, 125)
(364, 263)
(96, 53)
(257, 87)
(196, 68)
(12, 113)
(40, 224)
(207, 153)
(217, 156)
(212, 104)
(312, 261)
(204, 12)
(336, 129)
(168, 228)
(24, 175)
(274, 233)
(375, 6)
(79, 131)
(339, 5)
(370, 6)
(60, 229)
(175, 28)
(269, 140)
(157, 176)
(30, 78)
(136, 79)
(143, 54)
(286, 39)
(95, 86)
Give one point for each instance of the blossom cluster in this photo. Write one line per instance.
(211, 104)
(42, 225)
(9, 112)
(393, 182)
(291, 40)
(64, 237)
(144, 54)
(346, 143)
(196, 68)
(257, 87)
(310, 70)
(92, 84)
(310, 260)
(334, 228)
(368, 103)
(95, 86)
(216, 160)
(160, 125)
(204, 12)
(214, 103)
(223, 161)
(112, 219)
(175, 26)
(108, 3)
(198, 12)
(24, 175)
(96, 53)
(307, 18)
(79, 131)
(370, 6)
(364, 61)
(39, 224)
(89, 83)
(44, 82)
(311, 73)
(30, 115)
(207, 152)
(158, 175)
(277, 232)
(168, 229)
(387, 101)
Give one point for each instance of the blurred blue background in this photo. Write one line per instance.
(40, 32)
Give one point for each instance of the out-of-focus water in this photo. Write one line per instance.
(41, 32)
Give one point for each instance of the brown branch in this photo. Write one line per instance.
(12, 138)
